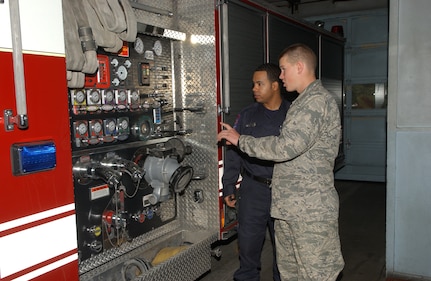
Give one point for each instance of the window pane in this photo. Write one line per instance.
(369, 96)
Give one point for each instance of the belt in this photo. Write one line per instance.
(263, 180)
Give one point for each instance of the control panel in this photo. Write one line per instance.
(127, 158)
(123, 193)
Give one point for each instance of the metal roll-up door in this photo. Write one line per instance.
(246, 52)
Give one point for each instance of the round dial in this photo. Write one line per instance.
(145, 128)
(97, 127)
(109, 96)
(158, 48)
(122, 96)
(79, 96)
(124, 124)
(82, 128)
(115, 82)
(114, 62)
(95, 96)
(127, 63)
(111, 126)
(139, 45)
(135, 96)
(122, 72)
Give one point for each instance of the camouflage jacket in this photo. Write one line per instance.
(304, 152)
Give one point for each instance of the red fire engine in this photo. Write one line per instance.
(110, 110)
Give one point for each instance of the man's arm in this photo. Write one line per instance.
(297, 134)
(232, 168)
(231, 172)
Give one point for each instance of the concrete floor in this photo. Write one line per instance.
(362, 233)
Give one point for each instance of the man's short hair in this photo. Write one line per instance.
(272, 71)
(300, 52)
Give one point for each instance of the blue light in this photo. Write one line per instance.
(33, 157)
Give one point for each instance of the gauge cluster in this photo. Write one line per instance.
(127, 99)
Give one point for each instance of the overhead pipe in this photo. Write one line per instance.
(150, 9)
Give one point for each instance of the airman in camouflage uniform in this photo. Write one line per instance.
(304, 200)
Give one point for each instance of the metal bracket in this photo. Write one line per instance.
(225, 110)
(9, 120)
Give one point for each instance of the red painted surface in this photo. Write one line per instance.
(47, 110)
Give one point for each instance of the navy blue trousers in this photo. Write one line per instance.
(253, 221)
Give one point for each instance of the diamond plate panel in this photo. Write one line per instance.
(195, 105)
(194, 86)
(198, 90)
(188, 265)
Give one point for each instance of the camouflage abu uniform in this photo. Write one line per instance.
(304, 199)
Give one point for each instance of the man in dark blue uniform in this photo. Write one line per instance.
(263, 118)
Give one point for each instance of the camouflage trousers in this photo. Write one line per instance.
(308, 251)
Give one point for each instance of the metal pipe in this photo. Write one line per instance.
(18, 66)
(267, 36)
(150, 9)
(225, 58)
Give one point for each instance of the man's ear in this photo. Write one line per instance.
(300, 66)
(275, 85)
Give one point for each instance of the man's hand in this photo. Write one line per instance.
(229, 134)
(230, 200)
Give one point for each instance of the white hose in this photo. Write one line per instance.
(18, 66)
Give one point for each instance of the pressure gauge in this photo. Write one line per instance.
(139, 45)
(122, 72)
(94, 97)
(124, 124)
(109, 96)
(157, 48)
(82, 128)
(110, 126)
(97, 127)
(134, 96)
(80, 96)
(122, 96)
(123, 128)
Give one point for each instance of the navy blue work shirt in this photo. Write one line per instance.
(258, 121)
